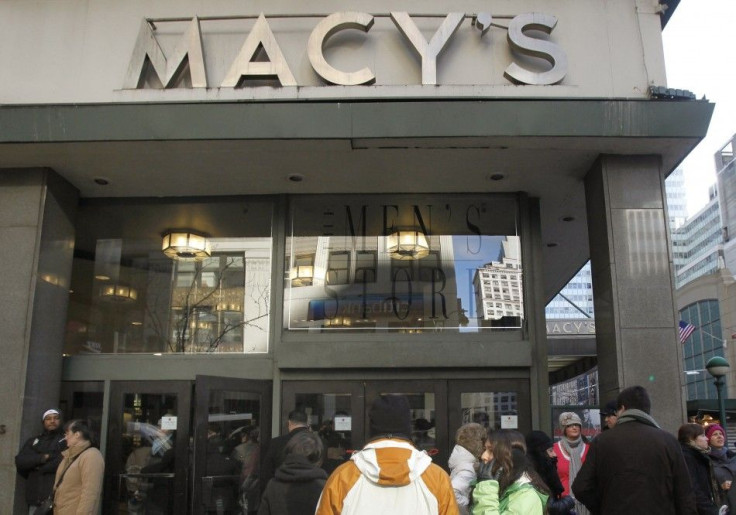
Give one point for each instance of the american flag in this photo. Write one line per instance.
(686, 329)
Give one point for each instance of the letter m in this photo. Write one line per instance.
(147, 50)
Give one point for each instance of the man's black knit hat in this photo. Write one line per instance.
(390, 414)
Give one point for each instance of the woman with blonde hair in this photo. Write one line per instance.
(514, 486)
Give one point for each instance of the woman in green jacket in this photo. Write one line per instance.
(514, 488)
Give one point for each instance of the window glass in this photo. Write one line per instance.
(403, 264)
(166, 276)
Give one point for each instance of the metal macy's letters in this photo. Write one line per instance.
(169, 69)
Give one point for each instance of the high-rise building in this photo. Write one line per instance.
(697, 244)
(497, 284)
(676, 198)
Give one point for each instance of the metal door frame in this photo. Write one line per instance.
(113, 459)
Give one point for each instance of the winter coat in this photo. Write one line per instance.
(80, 490)
(635, 468)
(295, 489)
(707, 491)
(389, 475)
(563, 464)
(39, 473)
(724, 467)
(275, 455)
(462, 475)
(520, 498)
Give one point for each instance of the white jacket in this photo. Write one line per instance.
(462, 474)
(389, 476)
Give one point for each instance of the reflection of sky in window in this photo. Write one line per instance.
(471, 253)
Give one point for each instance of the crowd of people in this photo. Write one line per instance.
(633, 466)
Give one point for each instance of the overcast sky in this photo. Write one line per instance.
(700, 55)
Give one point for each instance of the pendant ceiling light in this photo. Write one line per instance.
(118, 293)
(186, 245)
(406, 244)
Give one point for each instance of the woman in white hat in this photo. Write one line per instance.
(571, 450)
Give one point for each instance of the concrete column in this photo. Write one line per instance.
(36, 245)
(534, 310)
(633, 283)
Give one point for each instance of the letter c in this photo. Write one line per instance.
(323, 31)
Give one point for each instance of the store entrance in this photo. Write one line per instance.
(171, 445)
(338, 410)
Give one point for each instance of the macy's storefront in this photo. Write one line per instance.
(215, 217)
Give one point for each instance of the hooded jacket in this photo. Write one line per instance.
(462, 475)
(295, 489)
(388, 476)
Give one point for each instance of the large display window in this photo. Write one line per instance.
(406, 264)
(171, 276)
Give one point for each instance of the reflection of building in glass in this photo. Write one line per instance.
(498, 284)
(336, 283)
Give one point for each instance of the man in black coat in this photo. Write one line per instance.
(39, 458)
(297, 422)
(636, 467)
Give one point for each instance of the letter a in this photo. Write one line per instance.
(244, 66)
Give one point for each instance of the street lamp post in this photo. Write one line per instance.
(718, 367)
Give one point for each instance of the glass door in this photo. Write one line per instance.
(334, 410)
(494, 403)
(232, 419)
(148, 447)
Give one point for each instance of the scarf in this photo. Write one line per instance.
(718, 453)
(574, 449)
(635, 415)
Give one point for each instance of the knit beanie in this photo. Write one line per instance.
(390, 414)
(538, 441)
(569, 418)
(470, 436)
(712, 429)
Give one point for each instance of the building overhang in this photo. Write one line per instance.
(541, 147)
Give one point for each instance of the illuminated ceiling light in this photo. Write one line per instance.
(302, 275)
(186, 245)
(119, 293)
(102, 277)
(226, 307)
(407, 244)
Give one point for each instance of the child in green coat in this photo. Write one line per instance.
(514, 488)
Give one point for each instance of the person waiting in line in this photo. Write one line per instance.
(296, 423)
(248, 454)
(464, 462)
(221, 475)
(695, 450)
(608, 416)
(82, 468)
(486, 458)
(571, 451)
(539, 447)
(512, 486)
(39, 458)
(724, 463)
(389, 475)
(297, 485)
(636, 467)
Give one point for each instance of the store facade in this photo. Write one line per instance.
(216, 214)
